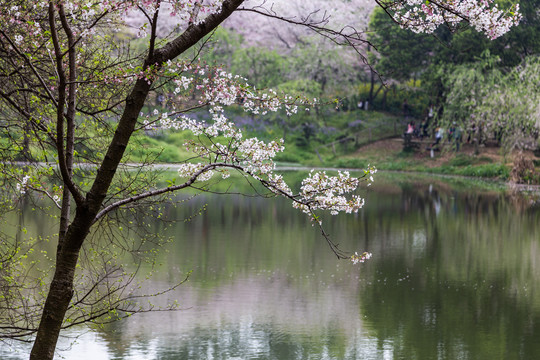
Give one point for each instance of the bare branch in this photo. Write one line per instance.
(346, 36)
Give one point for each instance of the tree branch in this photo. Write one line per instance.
(70, 119)
(34, 70)
(66, 176)
(341, 37)
(157, 192)
(153, 23)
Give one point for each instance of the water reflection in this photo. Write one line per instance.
(472, 293)
(266, 315)
(455, 275)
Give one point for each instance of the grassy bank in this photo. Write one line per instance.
(490, 163)
(345, 139)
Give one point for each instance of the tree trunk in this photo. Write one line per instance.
(371, 86)
(61, 289)
(26, 155)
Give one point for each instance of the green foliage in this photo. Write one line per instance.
(289, 157)
(466, 45)
(400, 51)
(301, 87)
(264, 68)
(457, 48)
(480, 97)
(512, 105)
(401, 54)
(466, 160)
(466, 85)
(351, 163)
(499, 171)
(221, 45)
(524, 40)
(312, 68)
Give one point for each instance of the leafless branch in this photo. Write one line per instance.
(346, 36)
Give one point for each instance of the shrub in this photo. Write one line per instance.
(523, 171)
(461, 160)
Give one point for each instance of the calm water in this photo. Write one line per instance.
(455, 274)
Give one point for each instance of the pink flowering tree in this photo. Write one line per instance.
(74, 96)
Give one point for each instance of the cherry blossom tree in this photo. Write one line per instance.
(74, 95)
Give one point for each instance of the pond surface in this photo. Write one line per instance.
(455, 274)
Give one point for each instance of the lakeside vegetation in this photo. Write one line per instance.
(375, 138)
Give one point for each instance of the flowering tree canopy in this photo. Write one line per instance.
(75, 92)
(426, 16)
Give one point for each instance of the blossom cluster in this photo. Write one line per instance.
(483, 15)
(189, 170)
(23, 184)
(321, 191)
(221, 88)
(217, 89)
(228, 146)
(356, 258)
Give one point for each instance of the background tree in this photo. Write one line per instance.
(490, 104)
(510, 106)
(467, 85)
(466, 46)
(398, 55)
(401, 54)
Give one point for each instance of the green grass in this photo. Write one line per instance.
(465, 160)
(499, 171)
(145, 148)
(462, 165)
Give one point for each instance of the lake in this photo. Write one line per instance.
(455, 274)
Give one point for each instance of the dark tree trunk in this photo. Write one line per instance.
(26, 155)
(385, 92)
(61, 289)
(371, 86)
